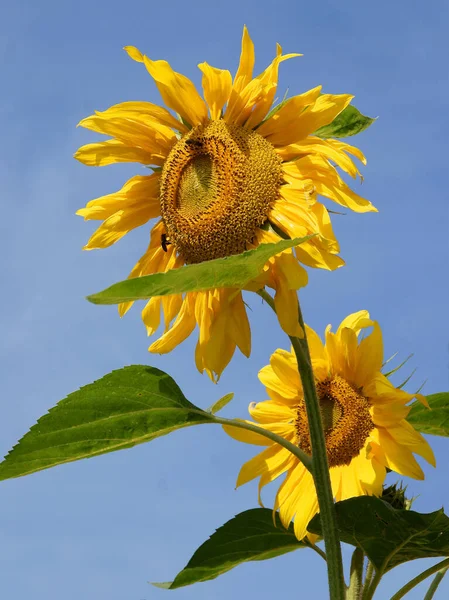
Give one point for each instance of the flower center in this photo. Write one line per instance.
(218, 185)
(346, 421)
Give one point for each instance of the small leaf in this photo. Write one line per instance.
(126, 407)
(219, 404)
(349, 122)
(251, 535)
(388, 536)
(434, 421)
(233, 271)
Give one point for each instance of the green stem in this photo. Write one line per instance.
(320, 467)
(316, 548)
(369, 574)
(355, 582)
(369, 590)
(441, 566)
(435, 583)
(300, 455)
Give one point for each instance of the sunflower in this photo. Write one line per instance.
(363, 415)
(227, 175)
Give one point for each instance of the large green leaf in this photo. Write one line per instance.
(434, 421)
(126, 407)
(349, 122)
(233, 271)
(389, 536)
(251, 535)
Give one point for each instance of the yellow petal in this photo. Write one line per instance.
(327, 182)
(177, 91)
(137, 191)
(356, 321)
(246, 65)
(151, 314)
(171, 305)
(389, 414)
(283, 393)
(134, 53)
(270, 412)
(284, 365)
(369, 357)
(284, 121)
(238, 325)
(398, 457)
(180, 330)
(151, 136)
(269, 79)
(325, 148)
(144, 112)
(217, 84)
(272, 462)
(404, 433)
(297, 498)
(323, 111)
(246, 436)
(113, 151)
(119, 224)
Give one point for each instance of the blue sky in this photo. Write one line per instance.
(103, 528)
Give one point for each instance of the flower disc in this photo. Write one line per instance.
(346, 421)
(218, 184)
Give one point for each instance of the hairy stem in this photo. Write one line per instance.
(355, 582)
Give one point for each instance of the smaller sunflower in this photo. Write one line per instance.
(363, 415)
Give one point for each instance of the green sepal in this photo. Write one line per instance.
(349, 122)
(221, 403)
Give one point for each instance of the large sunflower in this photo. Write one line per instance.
(228, 175)
(364, 420)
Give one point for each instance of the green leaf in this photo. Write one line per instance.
(251, 535)
(219, 404)
(434, 421)
(126, 407)
(349, 122)
(389, 536)
(233, 271)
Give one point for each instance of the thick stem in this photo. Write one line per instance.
(441, 566)
(320, 467)
(355, 582)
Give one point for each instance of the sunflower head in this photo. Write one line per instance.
(230, 173)
(363, 416)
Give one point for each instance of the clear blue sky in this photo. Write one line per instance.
(103, 528)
